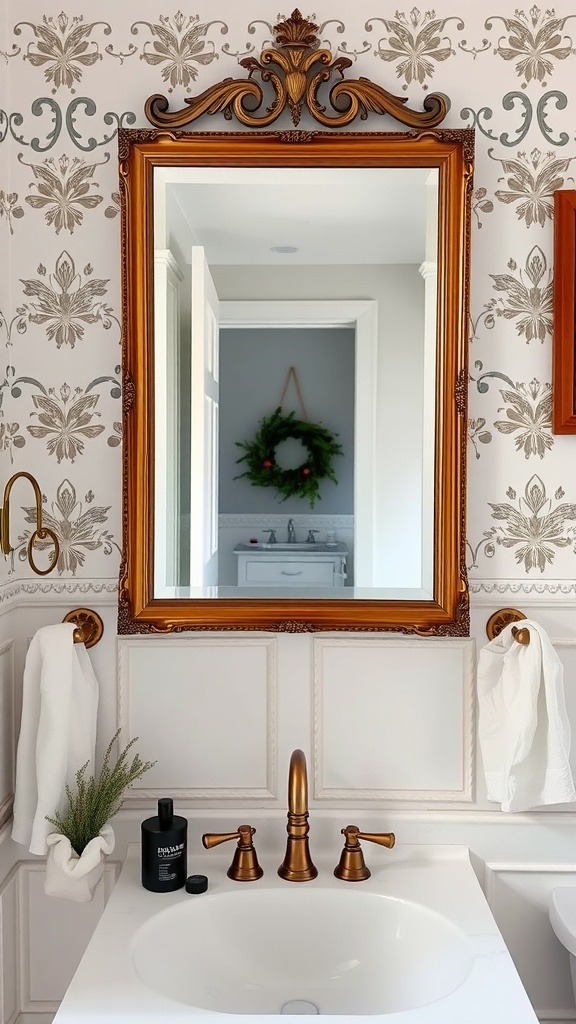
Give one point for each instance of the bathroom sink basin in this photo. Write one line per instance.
(305, 951)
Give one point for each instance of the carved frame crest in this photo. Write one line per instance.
(294, 68)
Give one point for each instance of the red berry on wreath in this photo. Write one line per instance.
(306, 471)
(267, 464)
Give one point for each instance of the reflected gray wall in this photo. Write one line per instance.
(253, 368)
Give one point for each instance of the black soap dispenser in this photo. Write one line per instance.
(164, 839)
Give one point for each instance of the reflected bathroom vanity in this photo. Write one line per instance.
(291, 565)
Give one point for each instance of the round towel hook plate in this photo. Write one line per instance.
(89, 626)
(500, 619)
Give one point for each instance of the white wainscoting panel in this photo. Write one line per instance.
(393, 719)
(7, 729)
(205, 709)
(9, 950)
(54, 935)
(519, 896)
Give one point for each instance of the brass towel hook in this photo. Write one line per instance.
(41, 532)
(89, 626)
(521, 636)
(504, 617)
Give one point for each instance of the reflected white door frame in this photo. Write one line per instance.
(362, 316)
(167, 300)
(204, 376)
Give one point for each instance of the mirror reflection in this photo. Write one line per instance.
(301, 296)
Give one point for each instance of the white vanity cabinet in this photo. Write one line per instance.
(291, 565)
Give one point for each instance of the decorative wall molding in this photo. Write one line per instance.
(550, 1017)
(194, 706)
(566, 588)
(521, 910)
(462, 767)
(34, 1018)
(28, 592)
(61, 926)
(495, 869)
(7, 731)
(9, 952)
(261, 522)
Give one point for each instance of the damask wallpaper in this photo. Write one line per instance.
(70, 78)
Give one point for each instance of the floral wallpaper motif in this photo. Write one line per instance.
(10, 208)
(64, 303)
(64, 191)
(531, 183)
(528, 410)
(63, 48)
(68, 417)
(528, 298)
(178, 46)
(533, 40)
(415, 43)
(533, 525)
(79, 528)
(74, 79)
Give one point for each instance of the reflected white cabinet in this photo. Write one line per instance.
(275, 565)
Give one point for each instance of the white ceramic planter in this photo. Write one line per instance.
(74, 877)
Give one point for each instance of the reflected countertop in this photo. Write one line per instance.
(305, 548)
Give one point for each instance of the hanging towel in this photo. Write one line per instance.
(57, 731)
(523, 727)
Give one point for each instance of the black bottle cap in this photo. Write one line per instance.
(165, 812)
(196, 883)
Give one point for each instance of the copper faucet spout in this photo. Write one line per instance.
(297, 865)
(298, 784)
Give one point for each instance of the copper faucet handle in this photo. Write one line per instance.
(353, 834)
(210, 839)
(244, 866)
(351, 866)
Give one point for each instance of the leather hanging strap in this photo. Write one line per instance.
(293, 375)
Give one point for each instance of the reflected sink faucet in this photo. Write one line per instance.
(297, 865)
(291, 537)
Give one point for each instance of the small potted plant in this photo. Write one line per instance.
(83, 837)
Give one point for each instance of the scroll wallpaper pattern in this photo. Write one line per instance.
(70, 81)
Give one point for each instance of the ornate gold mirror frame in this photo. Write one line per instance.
(295, 69)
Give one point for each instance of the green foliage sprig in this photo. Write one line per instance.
(304, 481)
(96, 799)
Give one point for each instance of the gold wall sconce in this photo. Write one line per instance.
(41, 532)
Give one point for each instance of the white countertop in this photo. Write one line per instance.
(107, 990)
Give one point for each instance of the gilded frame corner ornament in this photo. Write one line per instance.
(294, 68)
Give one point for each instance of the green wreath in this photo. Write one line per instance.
(304, 481)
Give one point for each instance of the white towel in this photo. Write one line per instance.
(57, 731)
(523, 727)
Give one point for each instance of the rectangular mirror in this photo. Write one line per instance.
(323, 283)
